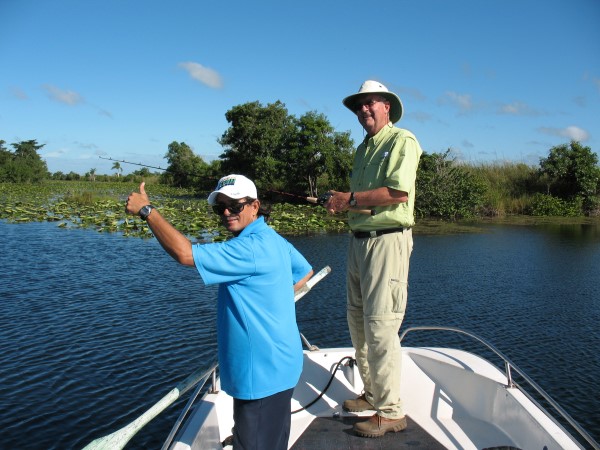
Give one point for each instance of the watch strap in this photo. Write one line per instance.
(352, 201)
(145, 211)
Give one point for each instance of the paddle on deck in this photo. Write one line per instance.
(310, 283)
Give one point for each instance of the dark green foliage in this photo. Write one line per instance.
(548, 205)
(445, 189)
(591, 206)
(281, 152)
(318, 157)
(290, 158)
(185, 169)
(256, 141)
(23, 165)
(572, 174)
(571, 170)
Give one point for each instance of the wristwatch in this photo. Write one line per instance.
(352, 200)
(145, 211)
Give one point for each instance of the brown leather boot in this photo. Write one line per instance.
(377, 426)
(358, 404)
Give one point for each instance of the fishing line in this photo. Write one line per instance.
(135, 164)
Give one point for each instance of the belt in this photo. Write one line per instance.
(372, 234)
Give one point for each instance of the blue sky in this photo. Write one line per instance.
(493, 80)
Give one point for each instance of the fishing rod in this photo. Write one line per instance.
(321, 200)
(135, 164)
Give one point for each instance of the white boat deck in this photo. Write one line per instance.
(460, 400)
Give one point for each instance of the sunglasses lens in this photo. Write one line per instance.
(368, 103)
(234, 208)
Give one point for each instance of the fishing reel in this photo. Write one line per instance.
(323, 198)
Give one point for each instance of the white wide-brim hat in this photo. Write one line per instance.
(375, 87)
(233, 186)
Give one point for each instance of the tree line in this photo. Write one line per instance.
(305, 156)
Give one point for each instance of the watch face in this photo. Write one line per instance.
(145, 211)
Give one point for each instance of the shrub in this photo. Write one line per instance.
(547, 205)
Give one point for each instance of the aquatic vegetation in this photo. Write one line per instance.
(101, 207)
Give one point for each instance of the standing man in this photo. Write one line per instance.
(383, 179)
(260, 352)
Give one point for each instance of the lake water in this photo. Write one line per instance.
(95, 328)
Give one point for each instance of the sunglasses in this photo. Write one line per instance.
(234, 208)
(358, 106)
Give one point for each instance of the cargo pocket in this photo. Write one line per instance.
(399, 291)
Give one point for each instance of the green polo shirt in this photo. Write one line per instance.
(390, 158)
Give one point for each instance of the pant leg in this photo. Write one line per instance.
(355, 313)
(263, 423)
(383, 277)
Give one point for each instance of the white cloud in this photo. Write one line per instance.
(595, 80)
(462, 101)
(204, 75)
(466, 143)
(517, 109)
(56, 154)
(576, 133)
(18, 93)
(571, 132)
(420, 116)
(67, 97)
(412, 93)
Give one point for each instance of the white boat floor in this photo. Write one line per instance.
(332, 433)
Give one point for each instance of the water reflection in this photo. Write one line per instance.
(580, 234)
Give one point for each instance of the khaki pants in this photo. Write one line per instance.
(377, 288)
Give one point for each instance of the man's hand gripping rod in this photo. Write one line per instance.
(322, 199)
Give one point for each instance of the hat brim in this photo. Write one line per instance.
(396, 108)
(212, 198)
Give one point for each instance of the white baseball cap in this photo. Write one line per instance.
(233, 186)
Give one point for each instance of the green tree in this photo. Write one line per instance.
(72, 176)
(256, 142)
(279, 151)
(445, 189)
(143, 172)
(317, 156)
(23, 165)
(91, 174)
(5, 161)
(117, 166)
(571, 171)
(185, 168)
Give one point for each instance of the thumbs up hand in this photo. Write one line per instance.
(136, 200)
